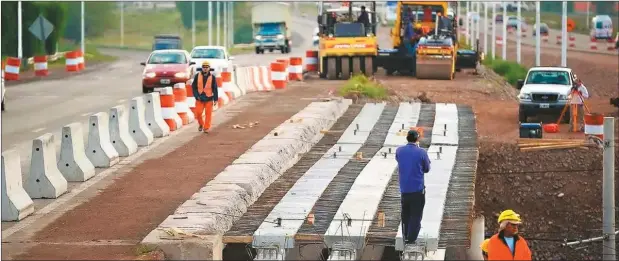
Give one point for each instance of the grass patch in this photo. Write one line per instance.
(360, 86)
(510, 71)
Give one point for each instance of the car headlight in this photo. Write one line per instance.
(258, 37)
(563, 97)
(524, 96)
(150, 75)
(181, 75)
(280, 36)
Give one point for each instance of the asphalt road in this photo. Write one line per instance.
(36, 108)
(582, 42)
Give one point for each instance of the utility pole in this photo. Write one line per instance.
(226, 21)
(538, 37)
(519, 35)
(231, 24)
(504, 53)
(608, 200)
(210, 22)
(193, 24)
(218, 11)
(122, 24)
(83, 29)
(20, 50)
(564, 36)
(588, 10)
(477, 24)
(469, 21)
(493, 30)
(457, 16)
(485, 27)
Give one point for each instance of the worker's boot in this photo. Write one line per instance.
(199, 128)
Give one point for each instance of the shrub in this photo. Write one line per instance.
(362, 86)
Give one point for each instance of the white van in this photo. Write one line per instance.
(601, 27)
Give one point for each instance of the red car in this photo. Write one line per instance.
(165, 68)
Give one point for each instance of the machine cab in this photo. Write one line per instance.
(165, 42)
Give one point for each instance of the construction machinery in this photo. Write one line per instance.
(437, 55)
(345, 46)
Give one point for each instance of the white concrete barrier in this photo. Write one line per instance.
(73, 162)
(256, 76)
(119, 132)
(153, 117)
(16, 203)
(138, 129)
(100, 150)
(245, 80)
(237, 82)
(45, 180)
(265, 76)
(241, 183)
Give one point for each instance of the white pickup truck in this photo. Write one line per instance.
(545, 91)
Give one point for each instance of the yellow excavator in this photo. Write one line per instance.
(437, 54)
(346, 46)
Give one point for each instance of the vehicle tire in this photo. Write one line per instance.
(522, 117)
(389, 71)
(345, 68)
(145, 90)
(332, 68)
(270, 50)
(257, 50)
(356, 65)
(2, 105)
(368, 69)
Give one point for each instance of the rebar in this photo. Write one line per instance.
(257, 212)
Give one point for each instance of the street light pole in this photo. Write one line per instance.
(504, 51)
(20, 50)
(564, 36)
(83, 29)
(519, 34)
(493, 30)
(210, 22)
(122, 24)
(538, 37)
(608, 190)
(218, 11)
(193, 24)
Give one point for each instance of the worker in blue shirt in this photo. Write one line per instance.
(413, 163)
(409, 37)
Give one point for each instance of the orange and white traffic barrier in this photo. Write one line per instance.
(40, 65)
(191, 100)
(80, 58)
(11, 70)
(593, 44)
(243, 80)
(72, 61)
(545, 38)
(594, 125)
(231, 91)
(499, 40)
(265, 78)
(168, 109)
(257, 82)
(311, 61)
(180, 103)
(286, 64)
(558, 39)
(610, 45)
(223, 98)
(572, 40)
(278, 75)
(295, 72)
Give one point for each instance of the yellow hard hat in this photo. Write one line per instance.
(484, 245)
(509, 215)
(205, 63)
(417, 25)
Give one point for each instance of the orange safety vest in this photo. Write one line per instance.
(202, 88)
(498, 249)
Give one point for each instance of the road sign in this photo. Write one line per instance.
(41, 28)
(571, 25)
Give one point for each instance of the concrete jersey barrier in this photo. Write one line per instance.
(73, 162)
(45, 180)
(16, 203)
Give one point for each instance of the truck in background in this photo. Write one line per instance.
(167, 41)
(271, 23)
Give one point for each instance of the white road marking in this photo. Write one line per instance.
(121, 100)
(87, 114)
(38, 130)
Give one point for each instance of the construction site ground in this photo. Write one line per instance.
(110, 219)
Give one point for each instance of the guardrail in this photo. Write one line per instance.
(50, 58)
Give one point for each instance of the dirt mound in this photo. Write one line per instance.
(557, 193)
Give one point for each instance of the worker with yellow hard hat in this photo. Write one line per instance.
(204, 88)
(507, 244)
(484, 248)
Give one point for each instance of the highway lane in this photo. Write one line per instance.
(46, 106)
(581, 41)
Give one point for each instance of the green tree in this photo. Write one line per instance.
(201, 11)
(56, 14)
(99, 16)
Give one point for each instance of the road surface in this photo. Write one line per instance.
(36, 108)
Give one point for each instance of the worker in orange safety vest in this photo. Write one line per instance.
(204, 87)
(577, 97)
(484, 248)
(507, 244)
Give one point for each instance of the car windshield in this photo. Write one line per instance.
(349, 30)
(548, 77)
(167, 58)
(208, 54)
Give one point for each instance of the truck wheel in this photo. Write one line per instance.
(271, 50)
(144, 90)
(522, 117)
(257, 50)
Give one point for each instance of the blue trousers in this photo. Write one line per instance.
(412, 212)
(410, 47)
